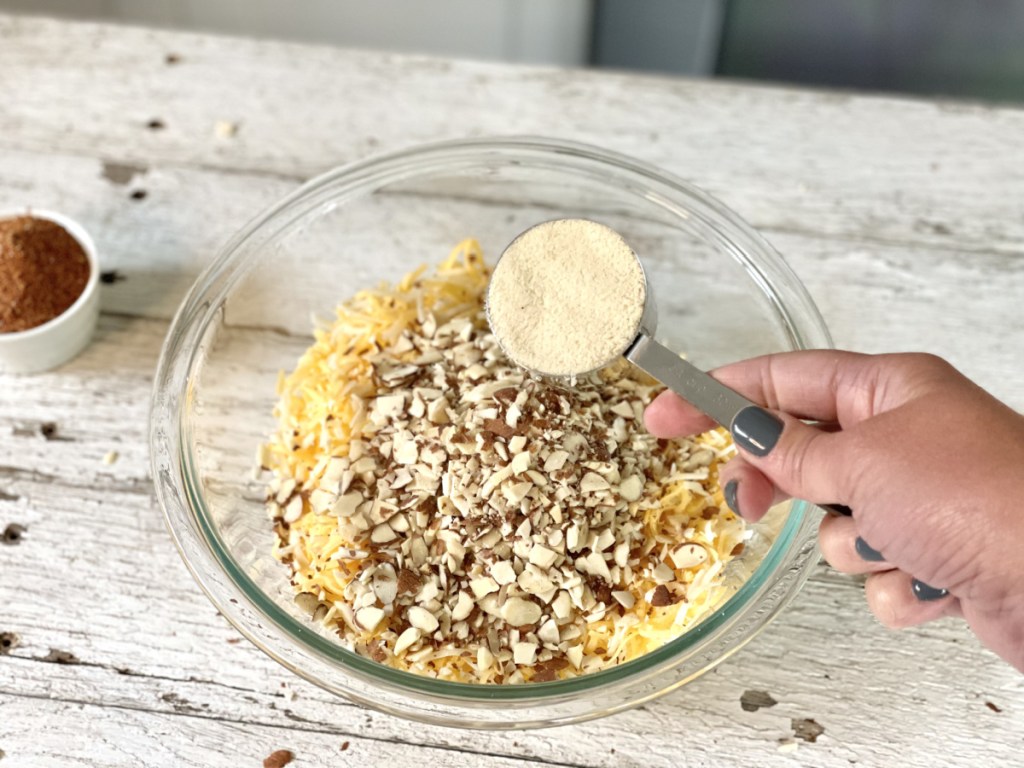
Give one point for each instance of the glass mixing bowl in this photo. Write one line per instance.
(723, 293)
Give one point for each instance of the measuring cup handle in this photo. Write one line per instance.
(708, 395)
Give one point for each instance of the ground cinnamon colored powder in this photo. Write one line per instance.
(43, 270)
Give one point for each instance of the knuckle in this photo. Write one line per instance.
(792, 466)
(795, 460)
(927, 363)
(922, 369)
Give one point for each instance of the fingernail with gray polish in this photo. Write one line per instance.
(867, 552)
(730, 496)
(925, 593)
(756, 430)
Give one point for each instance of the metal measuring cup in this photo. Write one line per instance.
(704, 392)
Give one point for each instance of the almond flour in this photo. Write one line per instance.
(566, 297)
(448, 514)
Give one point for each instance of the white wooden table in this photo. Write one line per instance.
(904, 218)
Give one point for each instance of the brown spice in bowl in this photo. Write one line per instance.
(43, 270)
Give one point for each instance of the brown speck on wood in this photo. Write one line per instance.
(807, 729)
(60, 657)
(121, 173)
(156, 124)
(278, 759)
(138, 194)
(171, 59)
(12, 534)
(8, 642)
(344, 746)
(993, 707)
(751, 701)
(51, 431)
(111, 276)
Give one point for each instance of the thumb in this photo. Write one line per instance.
(801, 460)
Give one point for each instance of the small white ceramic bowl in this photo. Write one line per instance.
(58, 340)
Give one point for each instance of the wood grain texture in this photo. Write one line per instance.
(907, 232)
(878, 169)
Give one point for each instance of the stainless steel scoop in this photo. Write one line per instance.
(705, 393)
(639, 347)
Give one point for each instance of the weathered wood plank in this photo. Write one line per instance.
(947, 174)
(88, 736)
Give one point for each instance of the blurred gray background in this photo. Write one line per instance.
(958, 48)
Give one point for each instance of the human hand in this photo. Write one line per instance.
(930, 463)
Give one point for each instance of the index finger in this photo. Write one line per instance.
(813, 385)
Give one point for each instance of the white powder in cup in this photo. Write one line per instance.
(566, 297)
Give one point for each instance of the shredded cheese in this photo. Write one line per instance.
(323, 410)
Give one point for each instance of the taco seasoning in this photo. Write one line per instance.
(43, 271)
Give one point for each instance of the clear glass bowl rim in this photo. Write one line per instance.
(188, 519)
